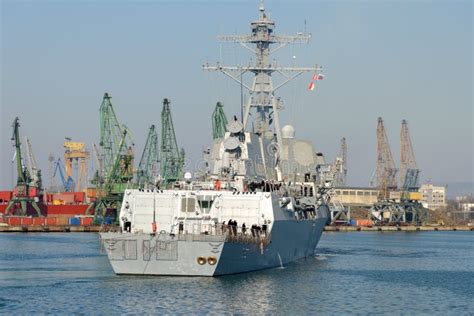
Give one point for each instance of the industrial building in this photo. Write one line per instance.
(356, 196)
(433, 197)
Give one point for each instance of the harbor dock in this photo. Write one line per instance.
(407, 228)
(97, 228)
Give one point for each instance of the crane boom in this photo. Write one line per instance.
(21, 172)
(219, 122)
(113, 173)
(32, 166)
(21, 194)
(147, 168)
(67, 182)
(409, 171)
(385, 171)
(171, 158)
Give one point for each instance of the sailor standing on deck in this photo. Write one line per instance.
(229, 225)
(234, 227)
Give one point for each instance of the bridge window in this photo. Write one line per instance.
(188, 204)
(205, 206)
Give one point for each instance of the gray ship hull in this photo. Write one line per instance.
(162, 254)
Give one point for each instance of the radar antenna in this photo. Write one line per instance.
(263, 100)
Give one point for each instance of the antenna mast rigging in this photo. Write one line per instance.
(262, 100)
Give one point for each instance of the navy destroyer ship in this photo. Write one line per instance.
(262, 203)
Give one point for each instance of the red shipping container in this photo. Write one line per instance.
(27, 221)
(50, 221)
(14, 220)
(74, 209)
(5, 196)
(38, 220)
(86, 221)
(364, 222)
(80, 197)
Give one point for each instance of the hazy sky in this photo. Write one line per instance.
(396, 59)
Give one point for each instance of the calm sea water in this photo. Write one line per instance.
(360, 273)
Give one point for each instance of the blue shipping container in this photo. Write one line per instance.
(76, 221)
(109, 220)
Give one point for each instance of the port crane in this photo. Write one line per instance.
(341, 172)
(171, 158)
(21, 194)
(147, 172)
(385, 171)
(409, 179)
(66, 181)
(32, 166)
(76, 152)
(406, 208)
(409, 172)
(116, 160)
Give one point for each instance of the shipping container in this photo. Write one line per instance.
(50, 221)
(62, 221)
(38, 220)
(66, 197)
(109, 220)
(74, 221)
(5, 196)
(27, 221)
(364, 222)
(86, 221)
(14, 220)
(72, 209)
(79, 197)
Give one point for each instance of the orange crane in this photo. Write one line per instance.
(76, 152)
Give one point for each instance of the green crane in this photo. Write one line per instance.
(171, 158)
(115, 174)
(21, 194)
(116, 159)
(148, 166)
(111, 132)
(219, 122)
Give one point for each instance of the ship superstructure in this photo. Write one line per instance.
(262, 203)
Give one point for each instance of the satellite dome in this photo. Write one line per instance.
(288, 131)
(188, 175)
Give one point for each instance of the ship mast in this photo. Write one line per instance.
(263, 105)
